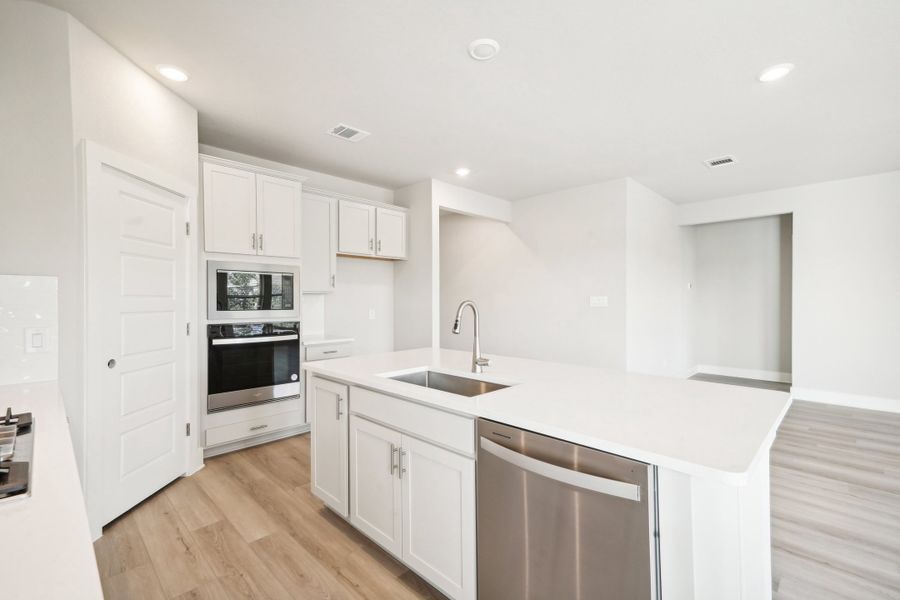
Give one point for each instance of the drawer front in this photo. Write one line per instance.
(453, 431)
(253, 427)
(327, 351)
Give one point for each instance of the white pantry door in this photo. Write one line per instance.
(137, 279)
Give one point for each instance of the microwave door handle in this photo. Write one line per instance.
(254, 340)
(586, 481)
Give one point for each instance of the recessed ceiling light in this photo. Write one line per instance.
(775, 72)
(463, 171)
(172, 72)
(484, 49)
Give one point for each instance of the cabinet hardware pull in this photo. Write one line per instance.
(260, 242)
(393, 463)
(328, 351)
(379, 245)
(402, 468)
(337, 405)
(253, 241)
(258, 427)
(332, 281)
(371, 244)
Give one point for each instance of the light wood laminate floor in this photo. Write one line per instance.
(836, 504)
(246, 526)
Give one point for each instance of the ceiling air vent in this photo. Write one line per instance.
(720, 161)
(345, 132)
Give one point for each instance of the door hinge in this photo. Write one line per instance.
(187, 228)
(188, 329)
(187, 429)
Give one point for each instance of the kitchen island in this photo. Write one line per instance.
(709, 443)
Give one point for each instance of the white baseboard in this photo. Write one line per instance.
(255, 441)
(851, 400)
(744, 373)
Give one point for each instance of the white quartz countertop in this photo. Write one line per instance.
(321, 340)
(702, 429)
(47, 550)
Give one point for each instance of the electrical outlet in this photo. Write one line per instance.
(598, 301)
(371, 314)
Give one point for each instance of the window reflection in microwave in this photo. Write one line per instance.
(241, 290)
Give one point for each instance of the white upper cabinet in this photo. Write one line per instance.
(246, 211)
(278, 209)
(356, 228)
(319, 241)
(390, 227)
(229, 209)
(367, 229)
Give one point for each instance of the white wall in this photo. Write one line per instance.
(742, 297)
(532, 278)
(363, 284)
(39, 215)
(415, 301)
(656, 284)
(846, 279)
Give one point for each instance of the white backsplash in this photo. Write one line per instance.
(29, 329)
(313, 306)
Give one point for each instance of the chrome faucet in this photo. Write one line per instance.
(478, 361)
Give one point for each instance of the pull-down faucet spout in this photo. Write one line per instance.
(478, 361)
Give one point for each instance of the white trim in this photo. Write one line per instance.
(93, 157)
(843, 399)
(340, 196)
(759, 374)
(227, 162)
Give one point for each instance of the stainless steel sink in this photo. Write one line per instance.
(464, 386)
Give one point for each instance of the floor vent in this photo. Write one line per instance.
(720, 161)
(345, 132)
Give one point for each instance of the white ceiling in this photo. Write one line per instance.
(582, 90)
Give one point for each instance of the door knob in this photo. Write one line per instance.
(111, 363)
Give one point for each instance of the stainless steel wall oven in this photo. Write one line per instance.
(252, 363)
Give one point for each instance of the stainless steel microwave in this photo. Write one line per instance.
(252, 291)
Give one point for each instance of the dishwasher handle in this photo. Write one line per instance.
(601, 485)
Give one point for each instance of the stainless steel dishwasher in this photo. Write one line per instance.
(558, 521)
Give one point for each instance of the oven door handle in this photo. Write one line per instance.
(254, 340)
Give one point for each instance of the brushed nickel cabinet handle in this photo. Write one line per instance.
(402, 468)
(393, 455)
(260, 242)
(253, 241)
(258, 427)
(337, 406)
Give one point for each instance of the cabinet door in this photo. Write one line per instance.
(356, 224)
(319, 243)
(374, 482)
(278, 216)
(439, 516)
(390, 229)
(229, 209)
(328, 426)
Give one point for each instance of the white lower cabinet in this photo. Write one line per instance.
(438, 494)
(415, 499)
(329, 429)
(375, 483)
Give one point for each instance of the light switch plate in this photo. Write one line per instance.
(598, 301)
(37, 339)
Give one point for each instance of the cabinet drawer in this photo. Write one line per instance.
(259, 426)
(453, 431)
(327, 351)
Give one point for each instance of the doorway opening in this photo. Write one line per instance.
(740, 309)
